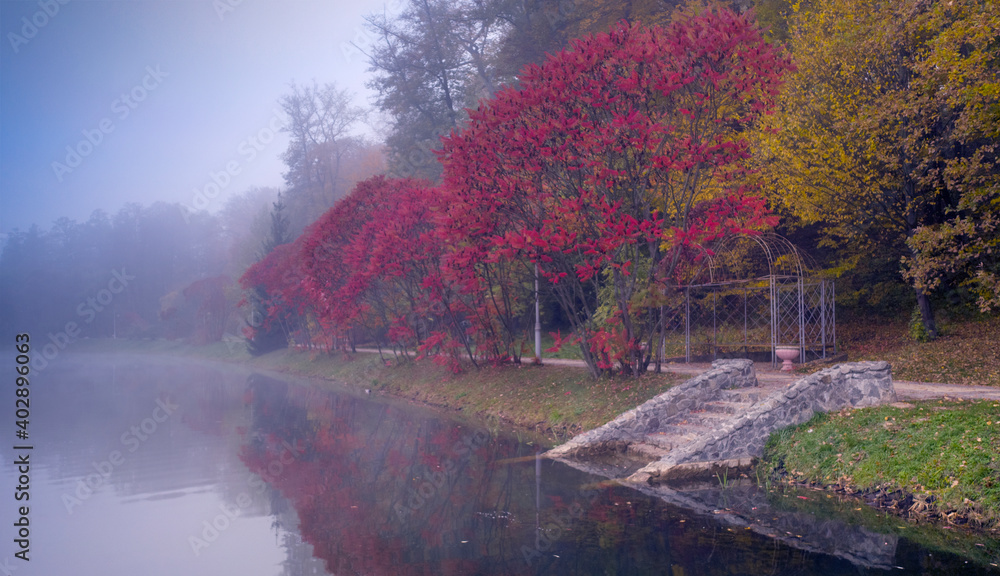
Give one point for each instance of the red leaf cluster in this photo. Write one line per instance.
(605, 171)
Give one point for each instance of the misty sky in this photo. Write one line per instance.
(154, 97)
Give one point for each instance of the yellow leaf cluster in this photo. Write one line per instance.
(884, 94)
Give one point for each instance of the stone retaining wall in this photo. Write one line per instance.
(856, 385)
(647, 418)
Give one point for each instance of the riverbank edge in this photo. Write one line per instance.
(918, 509)
(914, 504)
(475, 393)
(351, 371)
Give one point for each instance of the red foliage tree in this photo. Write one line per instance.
(395, 264)
(280, 278)
(605, 164)
(374, 260)
(323, 255)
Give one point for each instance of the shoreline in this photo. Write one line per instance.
(409, 381)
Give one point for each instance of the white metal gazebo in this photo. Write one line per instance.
(753, 294)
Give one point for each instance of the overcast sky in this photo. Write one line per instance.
(155, 99)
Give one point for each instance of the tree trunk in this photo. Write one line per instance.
(923, 302)
(926, 313)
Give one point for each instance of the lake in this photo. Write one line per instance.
(160, 466)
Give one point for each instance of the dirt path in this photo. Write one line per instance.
(771, 377)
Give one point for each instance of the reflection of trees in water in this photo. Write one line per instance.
(380, 491)
(375, 489)
(96, 404)
(300, 559)
(273, 412)
(621, 531)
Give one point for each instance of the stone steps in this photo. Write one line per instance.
(650, 451)
(725, 407)
(668, 440)
(713, 419)
(704, 419)
(722, 418)
(743, 395)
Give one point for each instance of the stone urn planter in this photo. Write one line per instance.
(787, 355)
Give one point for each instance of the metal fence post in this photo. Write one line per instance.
(687, 325)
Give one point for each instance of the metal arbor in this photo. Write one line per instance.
(753, 294)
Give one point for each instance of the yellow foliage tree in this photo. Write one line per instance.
(885, 126)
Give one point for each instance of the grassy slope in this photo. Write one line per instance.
(551, 399)
(947, 450)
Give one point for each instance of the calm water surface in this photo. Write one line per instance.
(157, 466)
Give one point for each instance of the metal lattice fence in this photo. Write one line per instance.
(777, 302)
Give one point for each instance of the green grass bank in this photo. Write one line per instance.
(933, 460)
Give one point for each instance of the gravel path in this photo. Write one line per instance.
(770, 377)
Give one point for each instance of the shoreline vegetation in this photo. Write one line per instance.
(934, 461)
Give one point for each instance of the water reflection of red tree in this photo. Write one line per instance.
(379, 492)
(357, 473)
